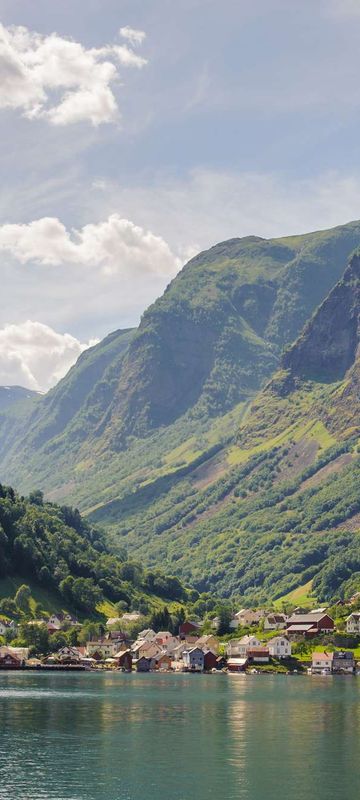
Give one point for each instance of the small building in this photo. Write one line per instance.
(147, 634)
(208, 642)
(68, 655)
(188, 627)
(275, 622)
(193, 659)
(343, 662)
(258, 655)
(13, 657)
(248, 616)
(163, 661)
(124, 660)
(210, 661)
(236, 664)
(279, 647)
(146, 649)
(239, 647)
(353, 623)
(322, 662)
(309, 625)
(144, 664)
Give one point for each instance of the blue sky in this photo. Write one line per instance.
(125, 154)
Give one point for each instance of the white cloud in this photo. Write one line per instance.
(58, 79)
(33, 355)
(114, 246)
(135, 37)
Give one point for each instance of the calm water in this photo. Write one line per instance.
(178, 737)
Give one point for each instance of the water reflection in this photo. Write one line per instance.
(181, 737)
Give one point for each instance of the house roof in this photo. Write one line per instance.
(247, 639)
(258, 651)
(355, 615)
(301, 628)
(306, 618)
(322, 656)
(239, 662)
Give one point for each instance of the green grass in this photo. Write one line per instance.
(301, 597)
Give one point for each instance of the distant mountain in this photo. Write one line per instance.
(167, 437)
(10, 395)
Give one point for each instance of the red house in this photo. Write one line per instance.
(10, 661)
(210, 661)
(187, 628)
(309, 624)
(124, 660)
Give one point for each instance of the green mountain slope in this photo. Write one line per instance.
(279, 505)
(201, 351)
(162, 436)
(65, 558)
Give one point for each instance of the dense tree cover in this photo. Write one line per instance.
(59, 550)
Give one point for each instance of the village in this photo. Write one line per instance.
(304, 641)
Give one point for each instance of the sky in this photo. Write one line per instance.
(134, 134)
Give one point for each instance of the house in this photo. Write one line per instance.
(10, 661)
(248, 616)
(308, 625)
(163, 661)
(239, 647)
(68, 655)
(193, 659)
(275, 622)
(13, 657)
(124, 660)
(258, 655)
(144, 664)
(236, 664)
(343, 662)
(208, 642)
(60, 620)
(145, 649)
(190, 640)
(167, 642)
(130, 617)
(322, 662)
(178, 651)
(188, 627)
(210, 661)
(279, 647)
(147, 634)
(353, 623)
(105, 648)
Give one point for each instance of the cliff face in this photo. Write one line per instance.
(328, 345)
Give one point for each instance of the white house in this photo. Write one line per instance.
(275, 622)
(247, 616)
(239, 647)
(279, 647)
(194, 659)
(105, 647)
(353, 623)
(322, 662)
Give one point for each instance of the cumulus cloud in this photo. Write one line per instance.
(35, 356)
(135, 37)
(58, 79)
(113, 246)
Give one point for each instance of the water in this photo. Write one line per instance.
(178, 737)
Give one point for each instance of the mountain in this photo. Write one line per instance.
(12, 395)
(60, 555)
(170, 437)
